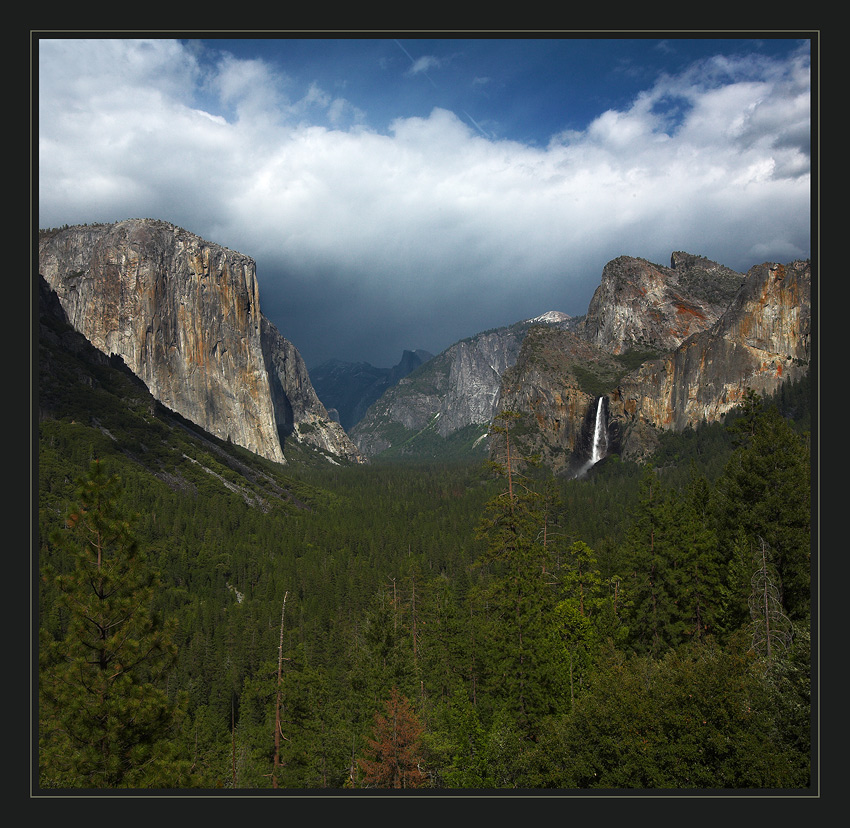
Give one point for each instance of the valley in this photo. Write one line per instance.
(539, 551)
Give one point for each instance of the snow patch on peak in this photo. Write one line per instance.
(551, 317)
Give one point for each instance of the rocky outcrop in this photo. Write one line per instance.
(299, 414)
(759, 340)
(455, 389)
(762, 340)
(552, 386)
(640, 305)
(640, 311)
(183, 314)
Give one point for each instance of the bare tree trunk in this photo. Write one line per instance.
(413, 620)
(510, 470)
(766, 594)
(277, 706)
(395, 606)
(233, 741)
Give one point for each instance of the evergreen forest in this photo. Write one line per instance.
(209, 620)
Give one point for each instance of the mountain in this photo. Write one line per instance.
(760, 341)
(662, 347)
(349, 388)
(665, 346)
(184, 316)
(453, 395)
(660, 355)
(639, 304)
(91, 404)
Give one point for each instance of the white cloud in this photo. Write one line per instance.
(713, 161)
(424, 64)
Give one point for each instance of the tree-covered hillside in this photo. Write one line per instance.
(429, 626)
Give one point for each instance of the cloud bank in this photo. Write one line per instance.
(371, 240)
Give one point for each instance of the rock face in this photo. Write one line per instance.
(455, 389)
(640, 311)
(642, 305)
(184, 315)
(553, 385)
(298, 412)
(706, 343)
(666, 347)
(761, 340)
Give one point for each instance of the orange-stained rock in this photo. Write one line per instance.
(184, 315)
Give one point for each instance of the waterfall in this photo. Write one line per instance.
(600, 434)
(599, 444)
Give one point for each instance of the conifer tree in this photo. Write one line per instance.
(649, 557)
(675, 583)
(457, 743)
(575, 626)
(765, 492)
(105, 717)
(697, 589)
(517, 595)
(394, 755)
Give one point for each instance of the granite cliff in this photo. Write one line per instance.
(184, 315)
(553, 384)
(666, 348)
(639, 304)
(761, 340)
(456, 391)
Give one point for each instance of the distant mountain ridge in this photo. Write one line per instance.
(454, 391)
(349, 388)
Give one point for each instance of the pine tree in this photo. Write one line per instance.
(105, 718)
(765, 492)
(650, 555)
(394, 756)
(516, 594)
(457, 743)
(697, 591)
(675, 584)
(577, 614)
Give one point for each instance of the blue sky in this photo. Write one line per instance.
(398, 192)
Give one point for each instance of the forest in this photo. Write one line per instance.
(427, 627)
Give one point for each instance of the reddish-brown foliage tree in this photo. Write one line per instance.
(393, 759)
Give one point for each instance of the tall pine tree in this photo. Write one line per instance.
(765, 494)
(650, 554)
(105, 719)
(516, 596)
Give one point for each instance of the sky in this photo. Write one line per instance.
(405, 193)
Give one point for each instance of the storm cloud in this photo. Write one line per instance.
(415, 233)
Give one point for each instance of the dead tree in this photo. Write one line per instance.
(771, 627)
(277, 724)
